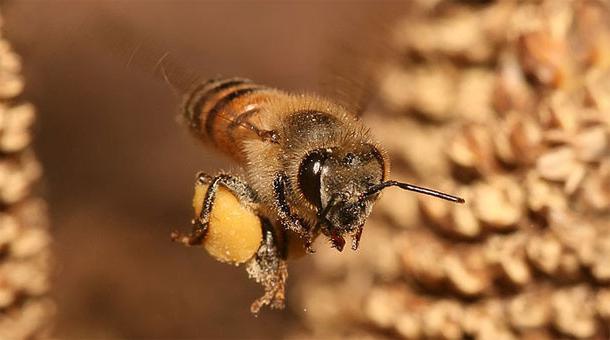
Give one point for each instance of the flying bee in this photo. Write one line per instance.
(310, 168)
(309, 164)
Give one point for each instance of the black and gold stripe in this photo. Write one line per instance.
(202, 94)
(222, 103)
(218, 111)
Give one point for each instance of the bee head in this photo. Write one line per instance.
(343, 184)
(335, 180)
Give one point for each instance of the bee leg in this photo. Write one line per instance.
(356, 238)
(338, 241)
(287, 219)
(242, 121)
(270, 270)
(200, 224)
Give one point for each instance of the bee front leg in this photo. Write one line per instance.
(288, 220)
(200, 224)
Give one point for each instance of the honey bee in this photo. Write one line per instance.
(310, 168)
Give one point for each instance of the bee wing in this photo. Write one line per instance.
(352, 59)
(140, 52)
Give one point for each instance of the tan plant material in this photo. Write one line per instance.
(25, 265)
(507, 104)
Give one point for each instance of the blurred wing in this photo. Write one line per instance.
(116, 36)
(352, 59)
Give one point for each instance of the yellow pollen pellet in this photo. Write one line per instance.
(234, 232)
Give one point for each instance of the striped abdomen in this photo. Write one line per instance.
(225, 112)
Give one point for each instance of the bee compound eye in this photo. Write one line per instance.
(310, 171)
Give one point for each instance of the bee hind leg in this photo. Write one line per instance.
(269, 269)
(200, 224)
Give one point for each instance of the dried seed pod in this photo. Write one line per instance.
(507, 255)
(591, 144)
(562, 111)
(436, 211)
(575, 179)
(525, 137)
(11, 82)
(465, 223)
(499, 204)
(8, 229)
(600, 263)
(421, 256)
(602, 302)
(511, 91)
(544, 251)
(596, 189)
(30, 318)
(17, 176)
(406, 149)
(409, 325)
(10, 63)
(474, 95)
(529, 310)
(396, 88)
(383, 305)
(569, 268)
(543, 196)
(557, 164)
(485, 321)
(573, 312)
(466, 273)
(14, 127)
(441, 320)
(434, 92)
(575, 235)
(544, 57)
(453, 220)
(472, 150)
(597, 87)
(438, 37)
(402, 210)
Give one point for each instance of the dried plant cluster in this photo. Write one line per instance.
(24, 237)
(506, 104)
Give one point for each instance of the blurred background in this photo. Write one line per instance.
(505, 103)
(119, 169)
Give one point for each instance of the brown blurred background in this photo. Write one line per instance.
(119, 168)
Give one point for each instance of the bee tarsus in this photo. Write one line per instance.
(269, 269)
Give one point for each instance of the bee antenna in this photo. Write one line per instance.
(406, 186)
